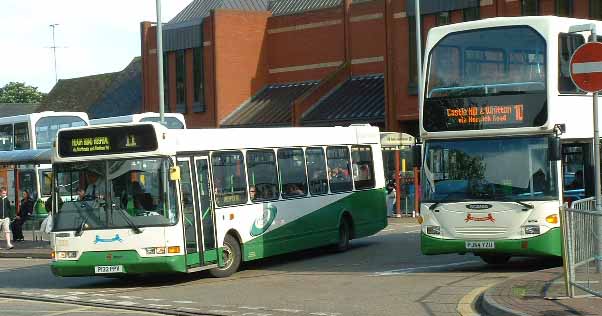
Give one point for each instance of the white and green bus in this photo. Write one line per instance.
(171, 200)
(506, 136)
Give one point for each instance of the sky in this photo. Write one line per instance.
(96, 36)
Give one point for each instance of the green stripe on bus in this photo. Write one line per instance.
(367, 209)
(547, 244)
(131, 261)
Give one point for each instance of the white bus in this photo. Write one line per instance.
(186, 200)
(24, 136)
(506, 136)
(172, 120)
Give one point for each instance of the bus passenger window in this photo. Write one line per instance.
(292, 172)
(338, 169)
(229, 178)
(263, 180)
(363, 167)
(22, 136)
(316, 170)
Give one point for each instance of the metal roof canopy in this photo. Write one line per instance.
(25, 157)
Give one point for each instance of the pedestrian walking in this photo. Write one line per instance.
(5, 216)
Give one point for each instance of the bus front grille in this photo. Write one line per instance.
(481, 231)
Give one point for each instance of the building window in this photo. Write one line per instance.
(472, 14)
(595, 9)
(443, 18)
(413, 71)
(180, 82)
(166, 81)
(564, 8)
(530, 7)
(199, 83)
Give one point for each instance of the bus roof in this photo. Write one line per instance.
(136, 118)
(38, 115)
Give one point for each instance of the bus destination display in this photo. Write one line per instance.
(487, 114)
(106, 141)
(478, 113)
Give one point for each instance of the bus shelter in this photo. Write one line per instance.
(29, 170)
(399, 173)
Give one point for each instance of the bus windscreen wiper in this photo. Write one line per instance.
(135, 228)
(529, 206)
(80, 229)
(434, 205)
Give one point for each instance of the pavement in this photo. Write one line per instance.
(32, 247)
(539, 293)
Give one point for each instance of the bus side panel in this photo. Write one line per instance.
(320, 227)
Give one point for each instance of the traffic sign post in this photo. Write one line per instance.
(586, 73)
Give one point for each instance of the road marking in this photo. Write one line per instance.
(75, 310)
(252, 307)
(325, 314)
(256, 314)
(388, 230)
(77, 293)
(154, 299)
(101, 300)
(412, 231)
(159, 305)
(287, 310)
(183, 302)
(409, 270)
(130, 297)
(464, 307)
(221, 311)
(126, 303)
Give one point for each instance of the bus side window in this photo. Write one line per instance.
(22, 136)
(316, 169)
(567, 44)
(292, 172)
(229, 178)
(263, 180)
(363, 167)
(338, 169)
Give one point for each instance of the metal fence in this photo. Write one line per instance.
(582, 254)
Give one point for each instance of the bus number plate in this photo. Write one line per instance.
(480, 245)
(108, 269)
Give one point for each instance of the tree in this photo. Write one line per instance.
(18, 92)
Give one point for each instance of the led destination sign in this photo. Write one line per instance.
(488, 114)
(478, 113)
(106, 141)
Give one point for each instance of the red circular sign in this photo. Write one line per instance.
(586, 67)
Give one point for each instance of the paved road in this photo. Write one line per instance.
(381, 275)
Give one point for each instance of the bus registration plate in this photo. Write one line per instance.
(480, 245)
(108, 269)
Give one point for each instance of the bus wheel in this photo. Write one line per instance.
(344, 235)
(494, 259)
(232, 258)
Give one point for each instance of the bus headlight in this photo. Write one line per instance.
(433, 230)
(66, 254)
(155, 250)
(532, 230)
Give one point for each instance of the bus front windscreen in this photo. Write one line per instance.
(500, 169)
(127, 193)
(486, 78)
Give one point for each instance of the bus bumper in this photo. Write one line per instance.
(547, 244)
(130, 260)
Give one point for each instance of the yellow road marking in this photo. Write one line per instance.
(464, 307)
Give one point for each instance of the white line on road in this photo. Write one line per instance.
(159, 305)
(409, 270)
(154, 299)
(183, 302)
(221, 311)
(287, 310)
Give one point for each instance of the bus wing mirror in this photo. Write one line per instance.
(555, 149)
(417, 155)
(174, 173)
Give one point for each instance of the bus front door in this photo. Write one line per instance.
(189, 216)
(206, 212)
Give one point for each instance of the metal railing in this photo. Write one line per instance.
(582, 254)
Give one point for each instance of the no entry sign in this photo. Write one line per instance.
(586, 67)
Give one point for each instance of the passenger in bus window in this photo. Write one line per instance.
(252, 192)
(577, 182)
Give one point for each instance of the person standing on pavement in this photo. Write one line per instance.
(23, 213)
(4, 216)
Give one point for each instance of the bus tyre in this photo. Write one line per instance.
(232, 258)
(344, 235)
(494, 259)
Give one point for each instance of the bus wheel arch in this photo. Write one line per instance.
(232, 256)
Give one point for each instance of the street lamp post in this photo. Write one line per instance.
(160, 63)
(53, 26)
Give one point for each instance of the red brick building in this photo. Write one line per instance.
(308, 62)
